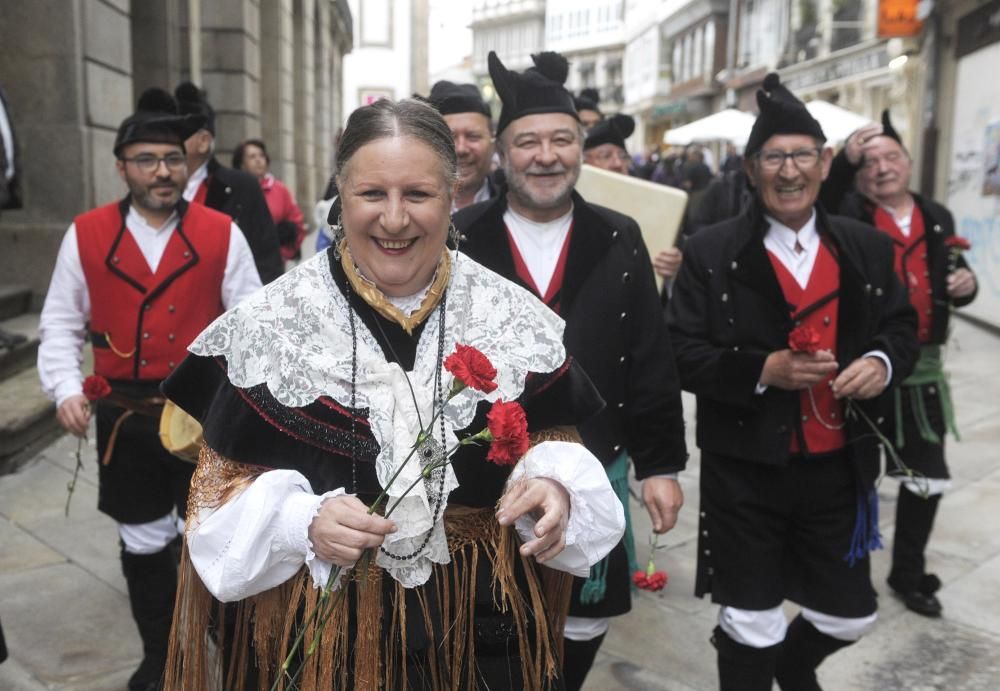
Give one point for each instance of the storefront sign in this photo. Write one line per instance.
(898, 18)
(836, 68)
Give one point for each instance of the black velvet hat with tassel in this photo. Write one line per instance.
(191, 99)
(588, 99)
(538, 89)
(780, 113)
(450, 98)
(613, 130)
(156, 120)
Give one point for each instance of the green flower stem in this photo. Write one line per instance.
(854, 409)
(76, 473)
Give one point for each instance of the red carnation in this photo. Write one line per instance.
(471, 368)
(804, 339)
(653, 582)
(957, 243)
(508, 428)
(95, 386)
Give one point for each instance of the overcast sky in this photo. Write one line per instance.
(449, 35)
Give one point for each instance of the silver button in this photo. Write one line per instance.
(142, 362)
(626, 277)
(931, 390)
(145, 335)
(170, 365)
(708, 552)
(704, 533)
(617, 448)
(623, 316)
(733, 265)
(171, 308)
(878, 292)
(805, 418)
(826, 321)
(115, 260)
(186, 254)
(702, 514)
(621, 405)
(725, 297)
(170, 337)
(621, 360)
(879, 421)
(614, 235)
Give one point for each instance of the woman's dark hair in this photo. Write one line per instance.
(408, 117)
(241, 149)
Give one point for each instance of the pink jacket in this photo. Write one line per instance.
(282, 206)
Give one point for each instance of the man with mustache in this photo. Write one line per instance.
(468, 116)
(588, 264)
(144, 275)
(783, 321)
(936, 279)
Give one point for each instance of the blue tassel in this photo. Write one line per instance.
(866, 537)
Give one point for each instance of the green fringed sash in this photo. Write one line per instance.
(929, 370)
(596, 584)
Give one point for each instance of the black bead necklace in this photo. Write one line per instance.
(438, 502)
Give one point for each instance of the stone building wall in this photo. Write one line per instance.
(72, 72)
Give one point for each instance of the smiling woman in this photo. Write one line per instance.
(313, 395)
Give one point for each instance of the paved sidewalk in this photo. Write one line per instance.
(65, 611)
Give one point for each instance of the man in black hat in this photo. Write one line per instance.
(233, 192)
(144, 276)
(936, 279)
(469, 118)
(589, 264)
(789, 326)
(604, 146)
(588, 107)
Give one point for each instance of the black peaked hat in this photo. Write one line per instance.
(614, 130)
(888, 130)
(588, 99)
(450, 98)
(780, 113)
(191, 99)
(156, 120)
(538, 89)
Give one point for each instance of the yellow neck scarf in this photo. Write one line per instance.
(377, 300)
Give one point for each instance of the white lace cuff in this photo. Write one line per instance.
(596, 517)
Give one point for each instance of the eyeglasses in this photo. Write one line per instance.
(606, 156)
(147, 163)
(774, 159)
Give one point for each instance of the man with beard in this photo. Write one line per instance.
(233, 192)
(936, 279)
(588, 264)
(468, 116)
(788, 325)
(144, 275)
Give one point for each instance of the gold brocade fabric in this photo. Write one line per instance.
(377, 300)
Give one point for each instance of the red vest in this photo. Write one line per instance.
(911, 265)
(816, 305)
(142, 322)
(553, 295)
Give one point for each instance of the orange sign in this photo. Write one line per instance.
(898, 18)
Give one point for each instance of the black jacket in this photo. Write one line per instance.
(614, 328)
(10, 189)
(839, 196)
(728, 313)
(238, 195)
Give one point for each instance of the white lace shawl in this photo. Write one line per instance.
(294, 336)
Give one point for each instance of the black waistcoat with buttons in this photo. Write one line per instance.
(614, 328)
(727, 314)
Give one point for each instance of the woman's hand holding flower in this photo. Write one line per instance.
(343, 529)
(546, 500)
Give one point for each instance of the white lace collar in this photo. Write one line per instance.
(294, 336)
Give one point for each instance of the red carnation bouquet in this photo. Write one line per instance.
(804, 339)
(95, 387)
(507, 433)
(651, 579)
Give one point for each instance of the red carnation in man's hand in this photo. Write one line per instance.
(508, 427)
(804, 339)
(957, 242)
(471, 368)
(95, 386)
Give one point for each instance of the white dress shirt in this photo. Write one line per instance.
(540, 244)
(63, 323)
(194, 182)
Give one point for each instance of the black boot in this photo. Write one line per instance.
(578, 658)
(805, 647)
(152, 586)
(743, 667)
(914, 521)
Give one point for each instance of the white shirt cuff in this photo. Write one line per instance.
(884, 358)
(596, 519)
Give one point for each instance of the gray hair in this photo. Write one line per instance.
(409, 118)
